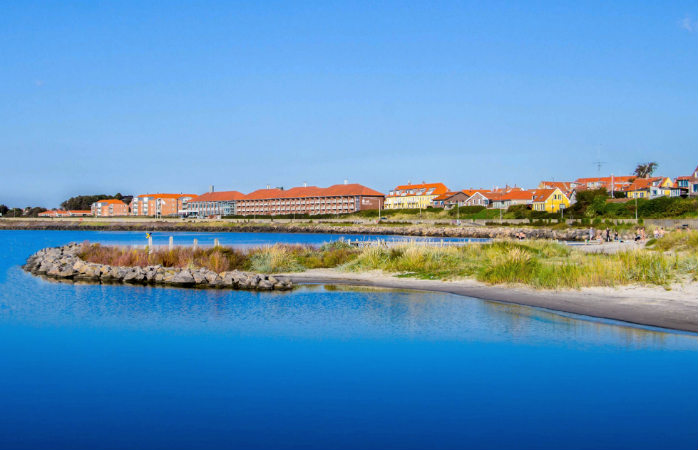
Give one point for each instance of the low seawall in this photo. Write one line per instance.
(570, 234)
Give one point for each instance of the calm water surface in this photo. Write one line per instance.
(90, 366)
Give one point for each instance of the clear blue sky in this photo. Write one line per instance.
(136, 97)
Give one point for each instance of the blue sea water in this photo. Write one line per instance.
(109, 366)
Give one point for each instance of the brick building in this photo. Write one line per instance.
(337, 199)
(160, 205)
(109, 208)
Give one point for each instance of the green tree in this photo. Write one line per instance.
(584, 200)
(85, 201)
(33, 211)
(645, 170)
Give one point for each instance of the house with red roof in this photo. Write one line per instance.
(160, 205)
(450, 200)
(615, 183)
(511, 198)
(652, 187)
(478, 197)
(109, 208)
(413, 196)
(549, 200)
(688, 185)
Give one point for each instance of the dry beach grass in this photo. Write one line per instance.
(537, 263)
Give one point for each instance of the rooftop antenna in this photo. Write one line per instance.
(598, 165)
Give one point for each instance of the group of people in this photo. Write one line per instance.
(659, 232)
(606, 235)
(640, 234)
(609, 235)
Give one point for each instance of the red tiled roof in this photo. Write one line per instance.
(111, 201)
(221, 196)
(562, 185)
(79, 211)
(616, 179)
(438, 189)
(518, 195)
(643, 183)
(493, 196)
(352, 189)
(541, 195)
(471, 192)
(166, 195)
(444, 196)
(337, 190)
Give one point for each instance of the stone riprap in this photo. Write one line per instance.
(65, 264)
(466, 231)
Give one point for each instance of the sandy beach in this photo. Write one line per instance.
(675, 309)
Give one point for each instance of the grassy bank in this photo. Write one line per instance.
(268, 259)
(539, 264)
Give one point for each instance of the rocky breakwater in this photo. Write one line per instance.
(64, 263)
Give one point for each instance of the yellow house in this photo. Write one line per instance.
(550, 200)
(414, 195)
(650, 187)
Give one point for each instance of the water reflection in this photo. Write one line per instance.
(90, 366)
(313, 311)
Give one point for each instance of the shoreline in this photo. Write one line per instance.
(414, 230)
(657, 307)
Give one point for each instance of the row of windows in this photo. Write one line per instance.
(422, 191)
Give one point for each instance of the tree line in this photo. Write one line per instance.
(80, 202)
(85, 201)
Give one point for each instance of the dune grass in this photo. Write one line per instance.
(266, 259)
(539, 264)
(676, 241)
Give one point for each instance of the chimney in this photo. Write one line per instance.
(268, 187)
(210, 188)
(346, 181)
(305, 184)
